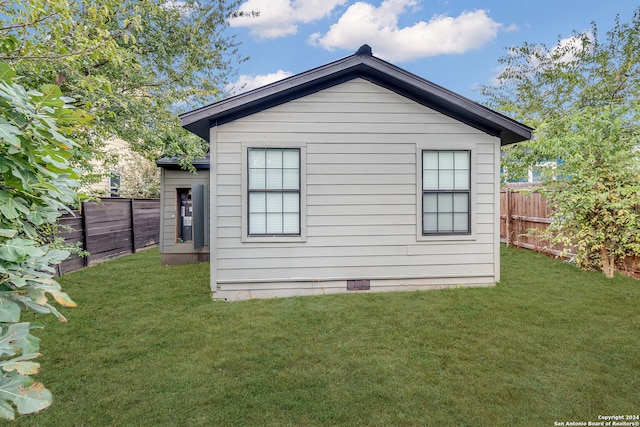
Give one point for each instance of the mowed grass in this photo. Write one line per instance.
(148, 347)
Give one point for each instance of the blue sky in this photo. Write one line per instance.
(453, 43)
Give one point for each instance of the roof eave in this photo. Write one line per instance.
(173, 163)
(373, 69)
(200, 121)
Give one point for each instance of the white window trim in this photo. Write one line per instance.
(245, 193)
(448, 146)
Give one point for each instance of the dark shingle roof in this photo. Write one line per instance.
(173, 163)
(362, 64)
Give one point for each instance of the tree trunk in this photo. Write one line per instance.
(608, 263)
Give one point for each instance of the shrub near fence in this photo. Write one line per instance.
(523, 212)
(111, 228)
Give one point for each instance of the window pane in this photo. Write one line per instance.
(445, 186)
(430, 179)
(256, 179)
(257, 202)
(429, 160)
(275, 211)
(274, 179)
(445, 160)
(430, 222)
(446, 180)
(462, 179)
(461, 159)
(291, 179)
(257, 223)
(291, 202)
(274, 223)
(445, 202)
(430, 203)
(256, 157)
(274, 202)
(461, 202)
(445, 222)
(274, 158)
(291, 223)
(291, 158)
(461, 222)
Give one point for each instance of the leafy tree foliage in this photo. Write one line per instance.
(130, 63)
(37, 182)
(140, 177)
(583, 98)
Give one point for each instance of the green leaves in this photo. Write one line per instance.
(37, 181)
(583, 97)
(17, 250)
(9, 311)
(133, 64)
(9, 133)
(22, 364)
(12, 207)
(15, 338)
(51, 96)
(27, 395)
(6, 72)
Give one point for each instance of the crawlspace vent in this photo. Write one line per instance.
(358, 285)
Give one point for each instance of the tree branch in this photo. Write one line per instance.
(28, 24)
(142, 86)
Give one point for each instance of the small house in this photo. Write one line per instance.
(353, 176)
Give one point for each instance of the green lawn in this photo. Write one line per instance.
(148, 347)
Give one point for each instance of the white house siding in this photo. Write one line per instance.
(362, 143)
(172, 251)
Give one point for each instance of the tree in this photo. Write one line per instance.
(583, 98)
(37, 182)
(139, 177)
(132, 64)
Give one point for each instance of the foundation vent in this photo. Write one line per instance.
(358, 285)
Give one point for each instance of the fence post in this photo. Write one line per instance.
(83, 222)
(507, 221)
(133, 226)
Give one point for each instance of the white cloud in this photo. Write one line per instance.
(378, 26)
(567, 50)
(179, 6)
(247, 82)
(510, 29)
(279, 18)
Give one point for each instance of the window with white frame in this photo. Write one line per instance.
(273, 191)
(446, 192)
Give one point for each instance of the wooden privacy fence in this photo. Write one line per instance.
(520, 214)
(523, 212)
(111, 228)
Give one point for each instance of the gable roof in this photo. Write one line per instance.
(364, 65)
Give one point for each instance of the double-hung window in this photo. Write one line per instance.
(446, 192)
(273, 191)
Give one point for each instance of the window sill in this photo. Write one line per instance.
(446, 238)
(274, 239)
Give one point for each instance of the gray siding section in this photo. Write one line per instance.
(362, 145)
(171, 181)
